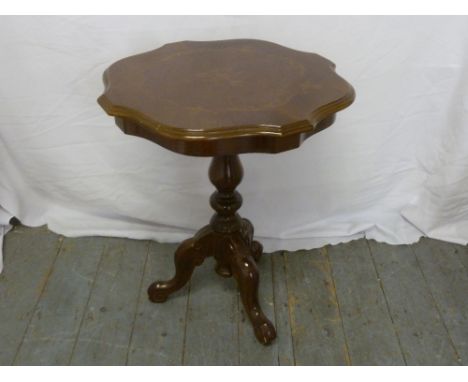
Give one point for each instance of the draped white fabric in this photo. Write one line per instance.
(393, 167)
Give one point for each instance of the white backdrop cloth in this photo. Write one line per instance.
(393, 167)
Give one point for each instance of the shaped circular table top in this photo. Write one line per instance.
(224, 97)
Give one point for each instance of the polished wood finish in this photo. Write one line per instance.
(221, 99)
(224, 97)
(229, 239)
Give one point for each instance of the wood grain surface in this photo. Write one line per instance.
(224, 97)
(356, 303)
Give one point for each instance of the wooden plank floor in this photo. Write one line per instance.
(82, 301)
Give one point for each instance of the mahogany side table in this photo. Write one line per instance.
(222, 99)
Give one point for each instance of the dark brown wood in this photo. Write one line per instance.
(224, 97)
(229, 239)
(221, 99)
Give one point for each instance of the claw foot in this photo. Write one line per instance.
(157, 293)
(265, 332)
(223, 270)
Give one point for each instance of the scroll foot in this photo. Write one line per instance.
(187, 256)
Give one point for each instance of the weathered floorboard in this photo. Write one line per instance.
(106, 328)
(447, 278)
(461, 251)
(54, 326)
(212, 319)
(282, 316)
(369, 331)
(29, 254)
(362, 303)
(315, 318)
(423, 336)
(158, 334)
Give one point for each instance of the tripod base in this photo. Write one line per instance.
(236, 255)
